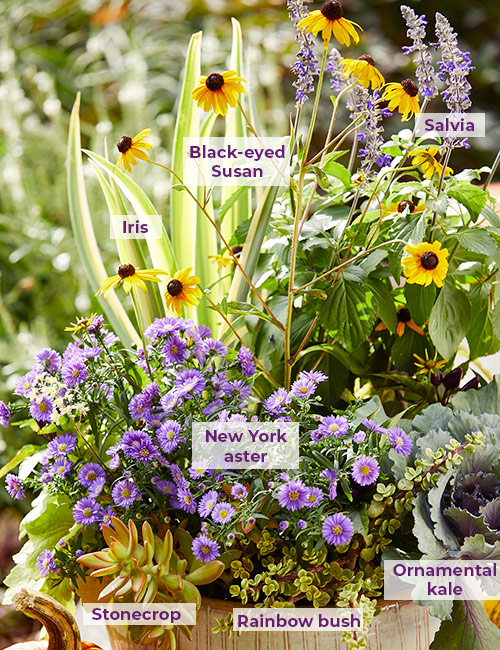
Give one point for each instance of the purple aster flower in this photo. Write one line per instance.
(139, 446)
(332, 425)
(45, 563)
(105, 516)
(175, 349)
(239, 389)
(338, 529)
(283, 524)
(365, 470)
(163, 326)
(303, 388)
(373, 426)
(401, 442)
(332, 491)
(359, 437)
(239, 491)
(301, 524)
(170, 401)
(223, 512)
(137, 407)
(245, 357)
(166, 487)
(238, 417)
(168, 435)
(284, 476)
(41, 409)
(190, 382)
(86, 512)
(329, 474)
(314, 375)
(425, 72)
(200, 331)
(62, 467)
(114, 462)
(220, 383)
(124, 493)
(205, 549)
(207, 503)
(293, 495)
(74, 373)
(24, 384)
(211, 347)
(198, 470)
(185, 500)
(96, 323)
(4, 414)
(314, 496)
(275, 403)
(90, 473)
(212, 407)
(14, 486)
(178, 476)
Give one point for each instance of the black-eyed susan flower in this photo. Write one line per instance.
(329, 20)
(429, 161)
(218, 91)
(81, 324)
(127, 277)
(182, 290)
(426, 263)
(132, 148)
(401, 206)
(363, 69)
(403, 97)
(428, 365)
(404, 320)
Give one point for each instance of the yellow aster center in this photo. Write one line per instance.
(174, 349)
(303, 389)
(188, 500)
(337, 530)
(399, 440)
(170, 435)
(311, 498)
(294, 495)
(223, 514)
(42, 407)
(87, 512)
(91, 476)
(26, 385)
(209, 504)
(62, 446)
(144, 453)
(46, 563)
(333, 427)
(365, 470)
(126, 493)
(75, 373)
(205, 549)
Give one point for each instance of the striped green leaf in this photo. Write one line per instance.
(83, 232)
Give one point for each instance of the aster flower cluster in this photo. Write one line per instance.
(306, 64)
(425, 72)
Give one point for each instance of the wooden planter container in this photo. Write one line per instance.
(400, 626)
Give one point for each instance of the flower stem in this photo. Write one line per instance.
(141, 326)
(295, 237)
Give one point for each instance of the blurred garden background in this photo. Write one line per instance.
(126, 58)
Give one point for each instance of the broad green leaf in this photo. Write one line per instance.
(479, 240)
(469, 629)
(345, 358)
(83, 232)
(491, 216)
(330, 157)
(385, 303)
(338, 171)
(479, 299)
(470, 196)
(24, 452)
(449, 320)
(420, 300)
(348, 313)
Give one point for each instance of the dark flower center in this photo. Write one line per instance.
(367, 58)
(174, 287)
(332, 10)
(236, 249)
(429, 260)
(126, 271)
(404, 315)
(438, 157)
(124, 144)
(410, 88)
(406, 204)
(214, 81)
